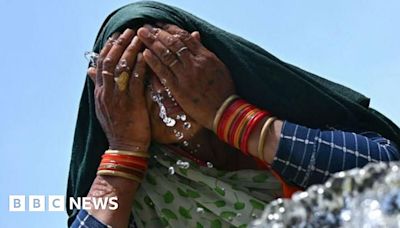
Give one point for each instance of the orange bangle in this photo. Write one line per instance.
(242, 127)
(238, 118)
(229, 122)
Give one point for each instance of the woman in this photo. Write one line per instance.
(160, 84)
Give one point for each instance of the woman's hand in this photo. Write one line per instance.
(119, 93)
(198, 80)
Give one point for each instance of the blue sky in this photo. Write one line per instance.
(43, 70)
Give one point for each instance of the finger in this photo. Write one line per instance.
(163, 73)
(193, 44)
(113, 58)
(173, 43)
(136, 83)
(163, 53)
(103, 53)
(91, 72)
(196, 35)
(128, 58)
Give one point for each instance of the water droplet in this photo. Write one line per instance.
(183, 117)
(187, 125)
(185, 143)
(155, 156)
(169, 121)
(198, 145)
(210, 165)
(179, 135)
(200, 210)
(171, 170)
(182, 164)
(172, 99)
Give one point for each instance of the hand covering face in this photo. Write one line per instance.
(260, 78)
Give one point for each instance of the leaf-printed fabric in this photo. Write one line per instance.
(200, 196)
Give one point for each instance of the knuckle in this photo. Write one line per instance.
(184, 35)
(107, 62)
(172, 41)
(121, 40)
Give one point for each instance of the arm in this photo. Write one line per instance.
(109, 186)
(308, 156)
(122, 113)
(200, 95)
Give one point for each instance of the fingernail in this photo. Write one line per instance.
(144, 32)
(147, 52)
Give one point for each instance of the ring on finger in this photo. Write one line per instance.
(166, 53)
(123, 66)
(178, 53)
(122, 81)
(173, 63)
(104, 72)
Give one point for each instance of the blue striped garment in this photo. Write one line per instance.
(309, 156)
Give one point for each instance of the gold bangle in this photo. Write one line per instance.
(232, 119)
(221, 110)
(118, 174)
(242, 127)
(130, 153)
(263, 135)
(117, 166)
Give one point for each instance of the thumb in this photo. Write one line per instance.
(91, 72)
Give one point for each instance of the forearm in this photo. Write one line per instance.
(307, 156)
(111, 186)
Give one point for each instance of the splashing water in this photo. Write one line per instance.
(187, 125)
(171, 170)
(200, 210)
(169, 122)
(182, 164)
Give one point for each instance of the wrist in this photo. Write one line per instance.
(129, 146)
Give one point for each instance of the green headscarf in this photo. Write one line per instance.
(260, 78)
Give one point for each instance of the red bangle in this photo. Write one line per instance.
(226, 115)
(125, 157)
(251, 125)
(142, 166)
(238, 119)
(240, 126)
(243, 126)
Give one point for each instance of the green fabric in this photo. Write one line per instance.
(200, 196)
(260, 78)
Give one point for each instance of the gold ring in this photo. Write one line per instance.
(107, 73)
(173, 63)
(122, 81)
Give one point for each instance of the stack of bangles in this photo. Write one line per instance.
(127, 164)
(236, 119)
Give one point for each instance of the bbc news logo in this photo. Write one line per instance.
(41, 203)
